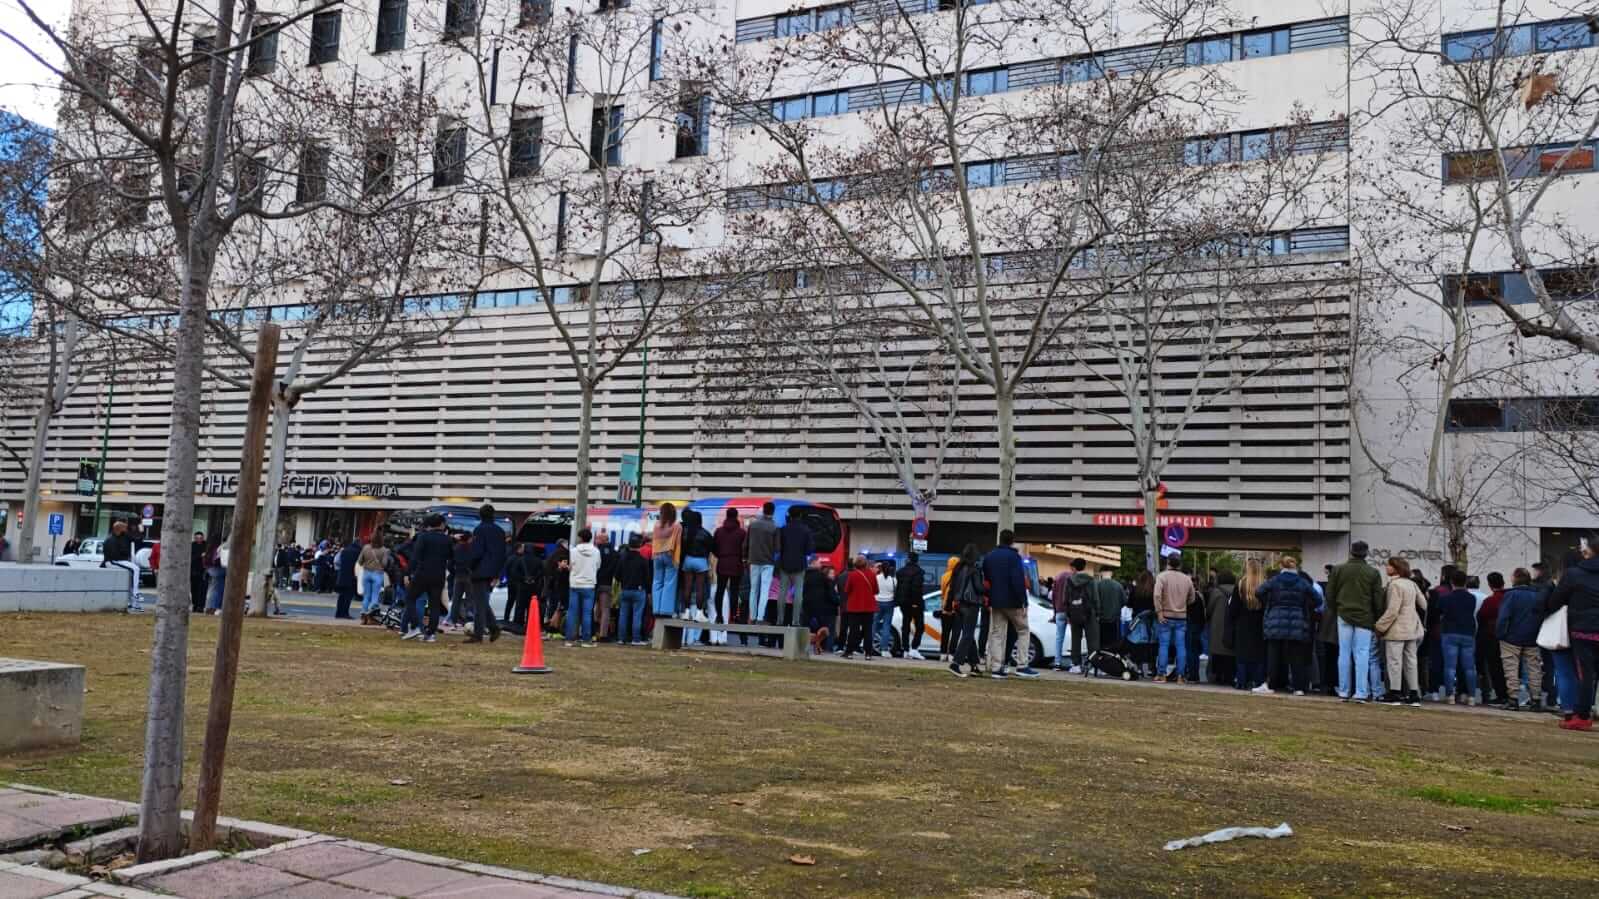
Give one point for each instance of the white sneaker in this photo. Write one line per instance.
(411, 634)
(1075, 669)
(1263, 689)
(913, 654)
(1299, 692)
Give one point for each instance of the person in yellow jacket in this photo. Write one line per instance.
(949, 620)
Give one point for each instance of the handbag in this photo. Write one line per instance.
(1552, 634)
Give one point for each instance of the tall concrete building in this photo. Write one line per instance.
(1273, 462)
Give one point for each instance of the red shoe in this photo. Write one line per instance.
(1581, 724)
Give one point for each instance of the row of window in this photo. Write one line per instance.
(1521, 162)
(1485, 288)
(1241, 146)
(1533, 413)
(1520, 40)
(1021, 76)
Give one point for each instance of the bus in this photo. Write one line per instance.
(831, 534)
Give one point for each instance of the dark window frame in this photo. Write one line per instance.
(325, 32)
(391, 25)
(524, 150)
(460, 19)
(377, 168)
(263, 57)
(311, 176)
(449, 155)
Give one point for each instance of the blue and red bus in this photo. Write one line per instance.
(830, 532)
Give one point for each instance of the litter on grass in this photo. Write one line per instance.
(1232, 833)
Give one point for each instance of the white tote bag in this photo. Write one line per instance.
(1552, 635)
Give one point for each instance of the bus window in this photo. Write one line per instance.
(823, 524)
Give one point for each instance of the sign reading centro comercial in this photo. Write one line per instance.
(1136, 520)
(316, 486)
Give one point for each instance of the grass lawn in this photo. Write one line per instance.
(897, 781)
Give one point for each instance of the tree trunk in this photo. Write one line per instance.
(30, 491)
(271, 503)
(1152, 538)
(580, 503)
(1005, 412)
(162, 791)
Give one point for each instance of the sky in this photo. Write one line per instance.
(26, 87)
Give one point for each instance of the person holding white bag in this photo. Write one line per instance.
(1576, 600)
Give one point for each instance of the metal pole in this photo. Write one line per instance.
(105, 439)
(644, 364)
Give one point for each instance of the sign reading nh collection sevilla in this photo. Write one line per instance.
(316, 486)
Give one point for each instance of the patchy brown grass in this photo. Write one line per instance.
(898, 781)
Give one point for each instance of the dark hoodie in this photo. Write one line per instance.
(696, 539)
(1578, 591)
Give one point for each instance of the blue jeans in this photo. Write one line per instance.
(1174, 631)
(883, 626)
(1377, 679)
(219, 576)
(371, 591)
(631, 626)
(1565, 679)
(664, 590)
(1354, 660)
(580, 614)
(1060, 638)
(760, 589)
(1461, 649)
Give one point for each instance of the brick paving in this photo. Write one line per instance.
(302, 866)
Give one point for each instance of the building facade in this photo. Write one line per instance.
(491, 413)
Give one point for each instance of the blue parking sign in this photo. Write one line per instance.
(58, 524)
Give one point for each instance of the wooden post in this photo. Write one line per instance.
(241, 540)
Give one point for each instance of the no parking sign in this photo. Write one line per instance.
(1175, 535)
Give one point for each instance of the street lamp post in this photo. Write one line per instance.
(105, 440)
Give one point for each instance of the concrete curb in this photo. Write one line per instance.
(167, 866)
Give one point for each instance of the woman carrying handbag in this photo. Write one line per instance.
(1576, 599)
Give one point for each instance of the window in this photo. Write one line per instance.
(460, 18)
(324, 37)
(252, 175)
(830, 103)
(449, 155)
(135, 196)
(1208, 150)
(605, 136)
(1471, 166)
(152, 70)
(527, 133)
(606, 5)
(693, 127)
(263, 50)
(200, 71)
(391, 26)
(646, 226)
(1474, 45)
(1273, 42)
(795, 23)
(1476, 415)
(560, 223)
(791, 109)
(1255, 145)
(571, 64)
(1574, 413)
(1521, 162)
(1569, 283)
(1566, 159)
(97, 72)
(839, 16)
(656, 46)
(536, 12)
(1081, 68)
(312, 184)
(1209, 50)
(1568, 35)
(494, 75)
(989, 81)
(944, 87)
(985, 174)
(377, 168)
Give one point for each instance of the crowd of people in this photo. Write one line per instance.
(1359, 633)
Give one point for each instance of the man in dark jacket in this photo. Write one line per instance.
(460, 578)
(1007, 604)
(1578, 594)
(486, 557)
(1490, 670)
(821, 603)
(1073, 601)
(345, 582)
(634, 574)
(795, 546)
(1357, 602)
(519, 570)
(197, 573)
(603, 579)
(117, 552)
(910, 583)
(1520, 616)
(431, 557)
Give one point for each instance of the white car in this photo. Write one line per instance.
(91, 553)
(1040, 624)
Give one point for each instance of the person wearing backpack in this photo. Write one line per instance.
(909, 585)
(963, 602)
(1073, 601)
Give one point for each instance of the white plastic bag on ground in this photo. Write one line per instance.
(1232, 833)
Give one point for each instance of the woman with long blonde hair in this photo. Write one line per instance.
(1246, 616)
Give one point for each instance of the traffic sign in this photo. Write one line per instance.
(919, 528)
(918, 546)
(149, 512)
(1176, 535)
(58, 524)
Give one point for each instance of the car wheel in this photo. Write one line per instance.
(1035, 654)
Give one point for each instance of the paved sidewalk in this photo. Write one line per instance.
(305, 866)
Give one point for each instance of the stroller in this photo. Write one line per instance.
(392, 611)
(1109, 663)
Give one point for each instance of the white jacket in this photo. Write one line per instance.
(585, 566)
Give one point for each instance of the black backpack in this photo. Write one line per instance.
(1079, 597)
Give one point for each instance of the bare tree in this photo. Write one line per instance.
(907, 201)
(589, 149)
(177, 113)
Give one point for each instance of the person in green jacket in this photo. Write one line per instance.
(1106, 611)
(1355, 597)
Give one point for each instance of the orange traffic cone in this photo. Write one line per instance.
(533, 645)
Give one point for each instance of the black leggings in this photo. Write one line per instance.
(966, 650)
(732, 584)
(910, 626)
(857, 626)
(1585, 653)
(1288, 660)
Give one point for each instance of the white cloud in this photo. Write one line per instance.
(27, 87)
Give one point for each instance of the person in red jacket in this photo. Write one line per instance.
(1490, 674)
(860, 603)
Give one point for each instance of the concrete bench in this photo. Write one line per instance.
(59, 588)
(41, 704)
(669, 634)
